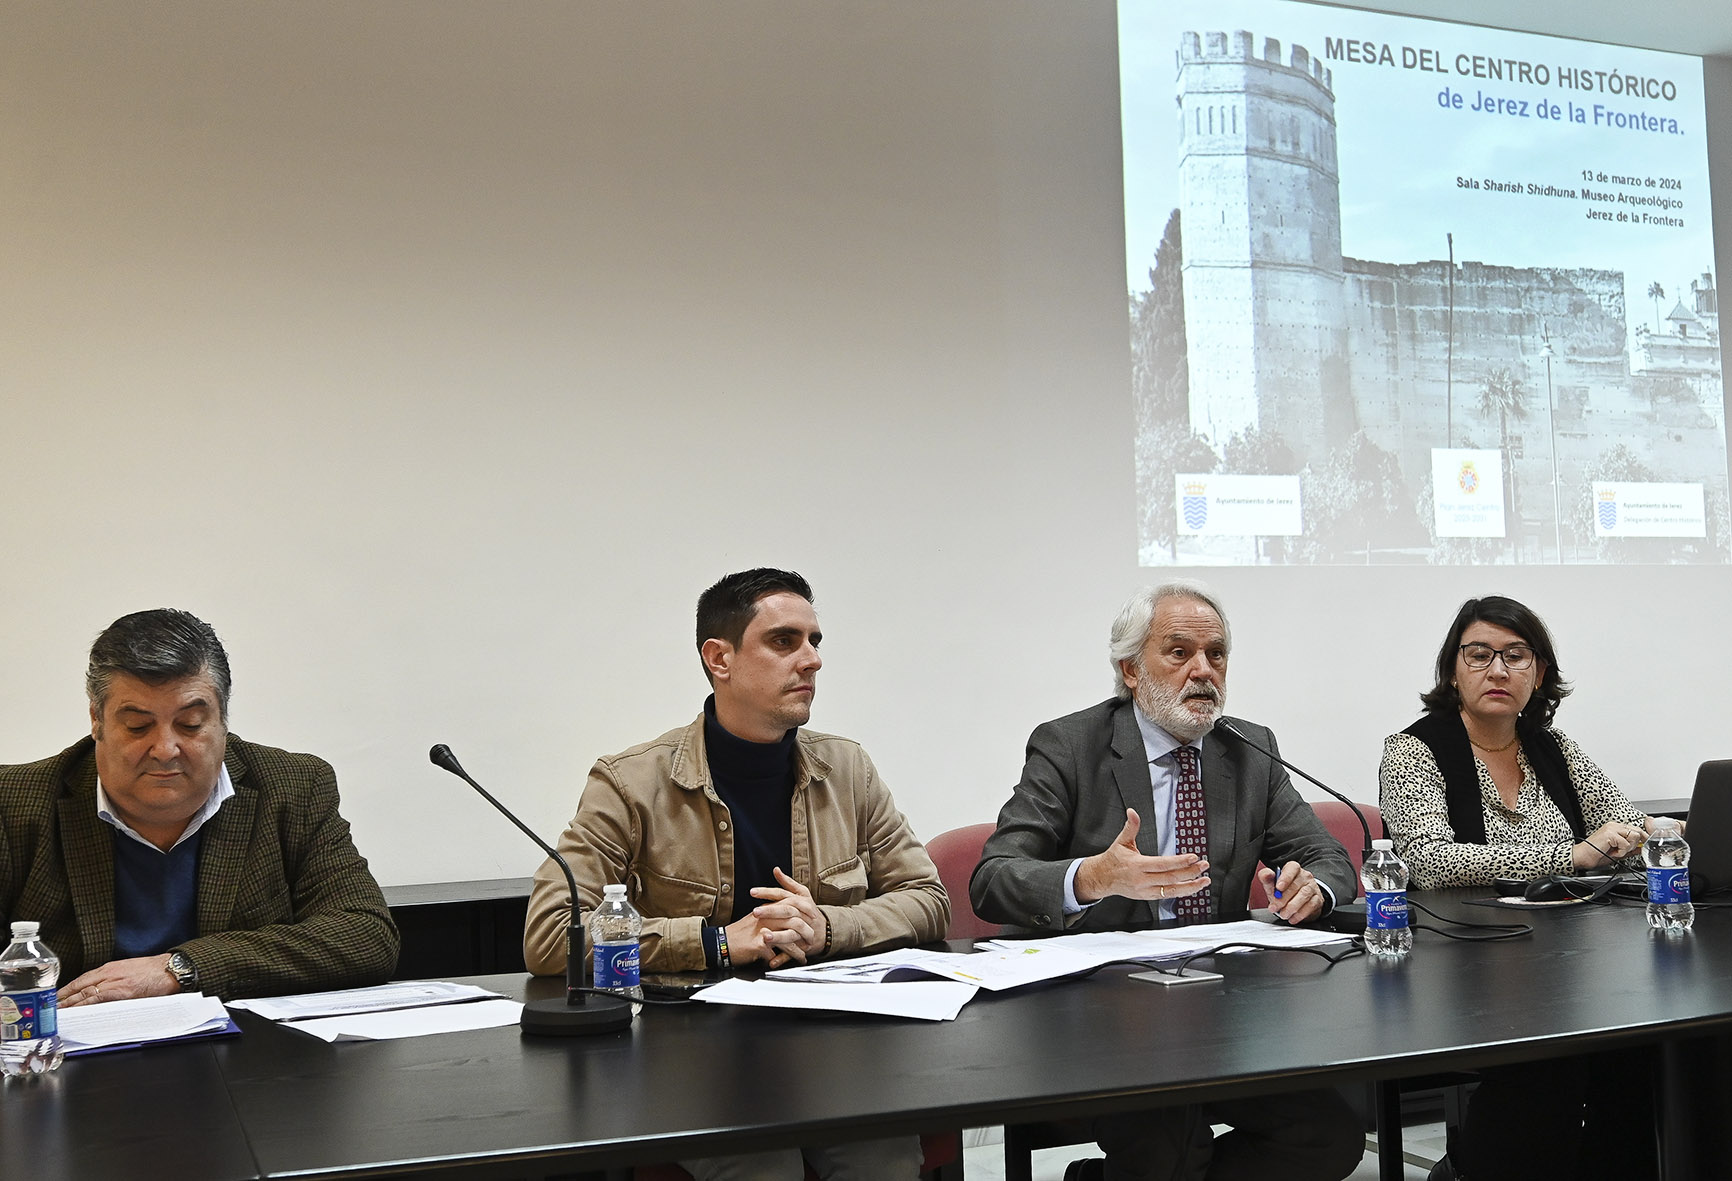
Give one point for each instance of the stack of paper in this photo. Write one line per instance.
(374, 1027)
(112, 1025)
(388, 1010)
(412, 994)
(1175, 942)
(876, 983)
(995, 969)
(932, 1000)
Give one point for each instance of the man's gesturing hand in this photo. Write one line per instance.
(1120, 869)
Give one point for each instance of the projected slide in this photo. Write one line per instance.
(1404, 291)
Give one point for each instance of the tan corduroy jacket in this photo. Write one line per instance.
(650, 817)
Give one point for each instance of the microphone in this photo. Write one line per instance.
(1349, 916)
(578, 1013)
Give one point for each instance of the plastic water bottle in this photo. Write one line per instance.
(1668, 858)
(1383, 879)
(614, 928)
(29, 1025)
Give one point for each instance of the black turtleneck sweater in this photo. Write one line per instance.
(756, 781)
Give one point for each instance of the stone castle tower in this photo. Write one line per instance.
(1261, 223)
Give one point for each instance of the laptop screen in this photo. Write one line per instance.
(1710, 829)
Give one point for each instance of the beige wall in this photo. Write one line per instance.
(439, 353)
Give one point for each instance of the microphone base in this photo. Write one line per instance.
(555, 1018)
(1348, 918)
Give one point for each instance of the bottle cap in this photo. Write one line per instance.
(25, 930)
(1386, 845)
(613, 893)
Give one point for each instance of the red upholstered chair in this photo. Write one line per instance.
(943, 1162)
(956, 853)
(1338, 818)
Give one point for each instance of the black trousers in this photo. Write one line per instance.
(1301, 1136)
(1590, 1115)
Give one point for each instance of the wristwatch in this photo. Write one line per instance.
(180, 967)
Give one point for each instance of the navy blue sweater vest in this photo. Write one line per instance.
(155, 895)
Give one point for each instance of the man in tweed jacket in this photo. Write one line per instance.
(163, 854)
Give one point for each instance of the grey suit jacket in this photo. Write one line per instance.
(1085, 769)
(285, 902)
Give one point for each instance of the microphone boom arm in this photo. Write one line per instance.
(442, 758)
(1224, 724)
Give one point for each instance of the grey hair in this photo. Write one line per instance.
(1137, 617)
(157, 647)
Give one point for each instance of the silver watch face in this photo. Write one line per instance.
(181, 966)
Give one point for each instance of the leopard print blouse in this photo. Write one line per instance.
(1532, 840)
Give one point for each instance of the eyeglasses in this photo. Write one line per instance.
(1516, 657)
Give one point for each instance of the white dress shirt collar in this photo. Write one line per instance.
(224, 789)
(1157, 743)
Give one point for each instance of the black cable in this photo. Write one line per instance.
(1485, 934)
(1641, 899)
(1583, 891)
(1087, 972)
(1490, 932)
(1354, 947)
(646, 999)
(1636, 894)
(1616, 889)
(1166, 965)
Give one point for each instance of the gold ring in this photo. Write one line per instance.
(1163, 891)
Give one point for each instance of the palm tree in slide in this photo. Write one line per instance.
(1501, 396)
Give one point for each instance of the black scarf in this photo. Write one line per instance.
(1445, 734)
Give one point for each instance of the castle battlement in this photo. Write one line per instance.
(1261, 236)
(1240, 46)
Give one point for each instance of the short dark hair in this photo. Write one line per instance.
(157, 647)
(725, 610)
(1505, 613)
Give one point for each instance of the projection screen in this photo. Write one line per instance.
(1404, 291)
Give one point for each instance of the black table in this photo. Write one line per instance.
(158, 1113)
(709, 1079)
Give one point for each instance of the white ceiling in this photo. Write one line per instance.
(1683, 26)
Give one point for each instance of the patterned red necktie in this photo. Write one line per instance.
(1190, 830)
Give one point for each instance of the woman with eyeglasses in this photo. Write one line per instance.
(1482, 787)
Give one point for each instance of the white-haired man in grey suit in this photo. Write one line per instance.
(1126, 815)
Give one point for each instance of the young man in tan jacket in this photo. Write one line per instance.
(742, 838)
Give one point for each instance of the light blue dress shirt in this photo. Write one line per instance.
(1158, 746)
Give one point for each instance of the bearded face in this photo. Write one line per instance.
(1179, 679)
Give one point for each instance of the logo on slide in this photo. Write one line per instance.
(1195, 505)
(1608, 509)
(1467, 479)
